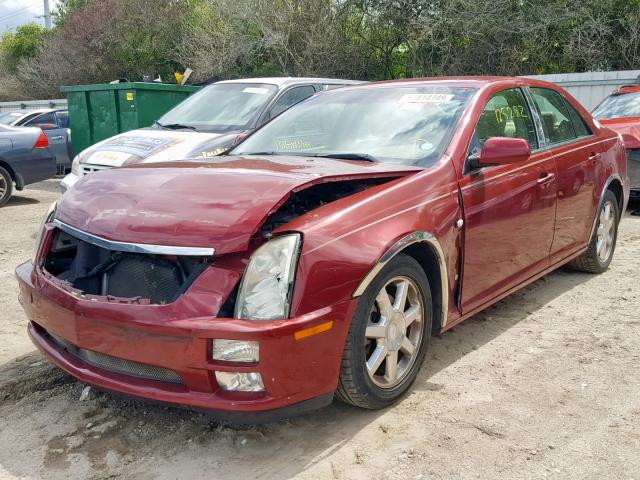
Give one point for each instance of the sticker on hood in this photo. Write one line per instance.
(138, 146)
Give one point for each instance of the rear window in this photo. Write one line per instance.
(619, 106)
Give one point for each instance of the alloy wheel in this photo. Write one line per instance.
(3, 186)
(605, 232)
(394, 332)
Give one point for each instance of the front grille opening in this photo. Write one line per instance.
(94, 270)
(117, 365)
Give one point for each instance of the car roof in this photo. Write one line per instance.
(461, 82)
(626, 89)
(284, 81)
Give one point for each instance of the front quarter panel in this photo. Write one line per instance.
(344, 240)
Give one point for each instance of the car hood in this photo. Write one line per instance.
(218, 203)
(151, 145)
(629, 128)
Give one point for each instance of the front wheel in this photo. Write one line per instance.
(388, 337)
(603, 243)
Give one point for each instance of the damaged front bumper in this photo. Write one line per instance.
(164, 352)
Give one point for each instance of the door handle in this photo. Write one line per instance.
(545, 177)
(57, 137)
(593, 158)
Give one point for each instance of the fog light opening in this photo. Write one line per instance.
(246, 351)
(240, 381)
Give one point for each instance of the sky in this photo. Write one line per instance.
(14, 13)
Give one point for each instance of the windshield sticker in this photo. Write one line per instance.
(422, 98)
(212, 153)
(256, 90)
(138, 146)
(504, 114)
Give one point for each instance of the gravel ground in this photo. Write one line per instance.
(545, 384)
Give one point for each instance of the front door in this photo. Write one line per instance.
(509, 210)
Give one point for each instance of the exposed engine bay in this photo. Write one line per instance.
(137, 277)
(316, 196)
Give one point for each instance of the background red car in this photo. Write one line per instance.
(325, 250)
(620, 111)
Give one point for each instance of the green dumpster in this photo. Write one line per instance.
(101, 111)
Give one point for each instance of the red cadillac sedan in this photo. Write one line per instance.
(319, 256)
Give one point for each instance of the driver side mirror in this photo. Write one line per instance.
(501, 151)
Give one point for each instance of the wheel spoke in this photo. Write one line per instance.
(400, 300)
(407, 347)
(376, 358)
(413, 314)
(384, 304)
(391, 367)
(375, 331)
(602, 249)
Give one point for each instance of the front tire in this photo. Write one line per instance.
(6, 186)
(388, 337)
(603, 243)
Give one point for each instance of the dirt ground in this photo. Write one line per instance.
(545, 384)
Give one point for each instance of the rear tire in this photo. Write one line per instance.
(388, 337)
(6, 186)
(603, 243)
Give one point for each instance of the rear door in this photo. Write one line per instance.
(509, 210)
(576, 154)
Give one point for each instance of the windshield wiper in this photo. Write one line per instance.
(174, 126)
(347, 156)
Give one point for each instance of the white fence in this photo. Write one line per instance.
(590, 88)
(32, 105)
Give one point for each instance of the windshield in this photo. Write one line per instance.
(619, 106)
(403, 125)
(223, 107)
(8, 117)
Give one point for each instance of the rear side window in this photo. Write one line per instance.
(579, 125)
(506, 114)
(555, 115)
(44, 121)
(63, 119)
(290, 98)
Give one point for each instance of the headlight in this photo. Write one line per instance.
(47, 218)
(267, 283)
(75, 166)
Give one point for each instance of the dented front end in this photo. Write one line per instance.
(130, 290)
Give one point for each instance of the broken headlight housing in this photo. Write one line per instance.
(267, 283)
(40, 233)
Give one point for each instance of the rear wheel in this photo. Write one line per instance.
(603, 243)
(388, 337)
(6, 186)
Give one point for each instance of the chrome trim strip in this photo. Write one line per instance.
(134, 247)
(613, 177)
(415, 237)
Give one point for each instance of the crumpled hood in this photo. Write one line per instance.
(150, 145)
(629, 128)
(217, 203)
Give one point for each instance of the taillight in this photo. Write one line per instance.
(42, 141)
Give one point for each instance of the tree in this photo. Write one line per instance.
(15, 47)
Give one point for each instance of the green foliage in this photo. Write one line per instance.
(99, 40)
(23, 44)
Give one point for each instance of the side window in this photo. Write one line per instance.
(555, 116)
(46, 121)
(506, 114)
(63, 119)
(290, 98)
(579, 125)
